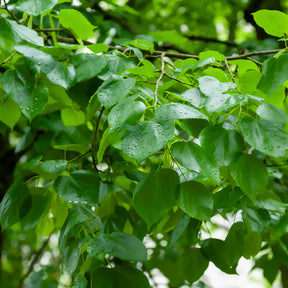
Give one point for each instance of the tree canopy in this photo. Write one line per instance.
(127, 126)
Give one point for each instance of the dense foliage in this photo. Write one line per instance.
(113, 147)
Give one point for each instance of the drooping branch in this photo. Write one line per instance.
(34, 261)
(10, 13)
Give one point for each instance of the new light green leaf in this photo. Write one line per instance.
(9, 113)
(72, 117)
(221, 144)
(76, 22)
(266, 136)
(35, 7)
(192, 157)
(154, 195)
(274, 74)
(177, 111)
(114, 89)
(121, 245)
(250, 174)
(274, 22)
(195, 200)
(145, 138)
(79, 187)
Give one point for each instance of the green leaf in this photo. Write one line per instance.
(154, 196)
(251, 175)
(195, 200)
(23, 34)
(218, 100)
(266, 136)
(71, 254)
(72, 147)
(274, 22)
(221, 144)
(79, 187)
(146, 69)
(14, 205)
(98, 48)
(252, 243)
(178, 230)
(35, 7)
(143, 45)
(9, 113)
(76, 22)
(177, 111)
(192, 157)
(121, 245)
(32, 99)
(215, 251)
(72, 117)
(145, 138)
(41, 62)
(88, 66)
(54, 166)
(126, 112)
(274, 74)
(119, 277)
(39, 205)
(272, 113)
(114, 89)
(193, 264)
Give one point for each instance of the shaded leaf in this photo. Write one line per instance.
(155, 195)
(192, 157)
(79, 187)
(114, 89)
(251, 175)
(195, 200)
(120, 245)
(267, 137)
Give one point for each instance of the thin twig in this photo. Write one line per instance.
(8, 58)
(159, 79)
(95, 137)
(80, 156)
(230, 72)
(184, 83)
(50, 30)
(33, 262)
(10, 13)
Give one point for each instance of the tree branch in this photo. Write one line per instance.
(173, 54)
(34, 261)
(10, 13)
(209, 39)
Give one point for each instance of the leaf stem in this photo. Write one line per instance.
(159, 79)
(95, 137)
